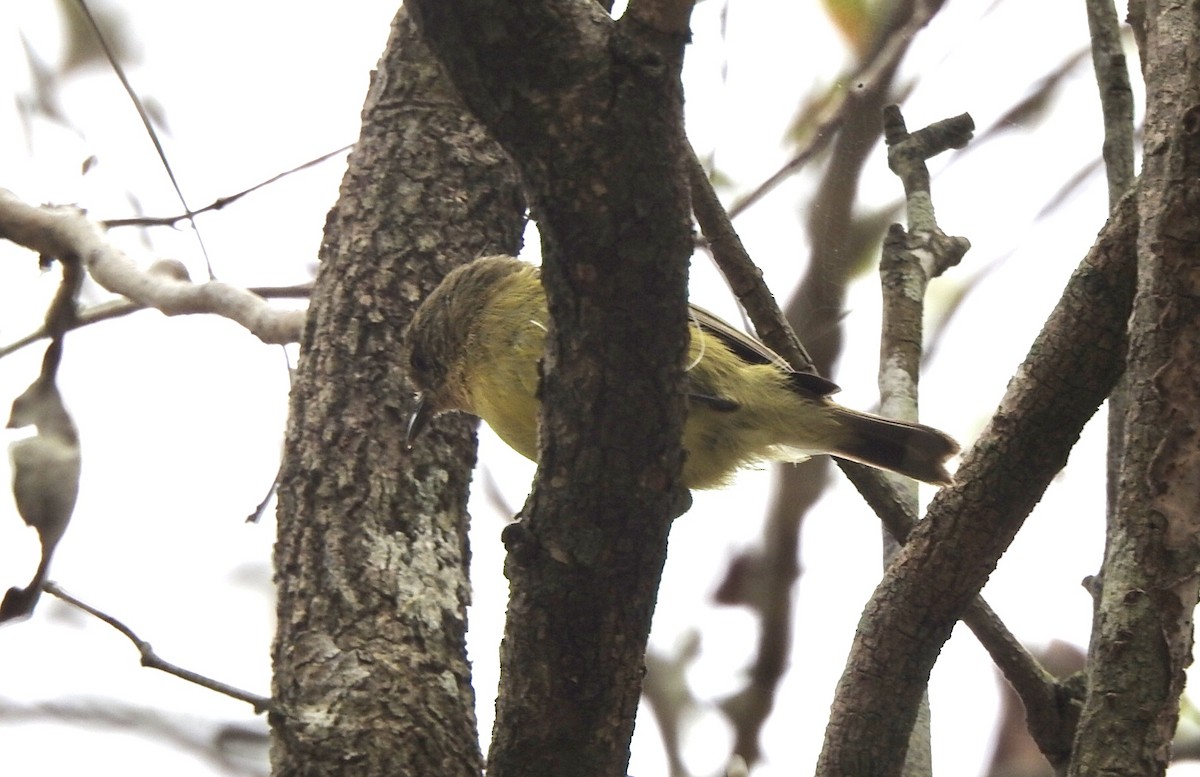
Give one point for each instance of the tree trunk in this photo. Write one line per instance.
(950, 554)
(1142, 635)
(371, 561)
(591, 111)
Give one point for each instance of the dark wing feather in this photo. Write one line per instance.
(756, 352)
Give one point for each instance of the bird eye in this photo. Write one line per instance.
(419, 362)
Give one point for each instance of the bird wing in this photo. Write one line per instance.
(755, 352)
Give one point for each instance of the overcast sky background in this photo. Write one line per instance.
(181, 419)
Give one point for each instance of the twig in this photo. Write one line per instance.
(64, 231)
(220, 202)
(1017, 665)
(261, 508)
(1116, 96)
(908, 261)
(912, 258)
(228, 747)
(773, 567)
(670, 699)
(1116, 105)
(907, 153)
(151, 660)
(741, 273)
(835, 111)
(145, 117)
(118, 308)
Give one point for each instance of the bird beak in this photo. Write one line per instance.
(419, 419)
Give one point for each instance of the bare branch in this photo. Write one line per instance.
(883, 497)
(1143, 634)
(907, 153)
(231, 748)
(1116, 105)
(858, 83)
(221, 202)
(743, 275)
(952, 552)
(906, 266)
(669, 697)
(118, 308)
(1116, 96)
(151, 659)
(145, 117)
(65, 231)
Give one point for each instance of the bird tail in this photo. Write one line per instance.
(910, 449)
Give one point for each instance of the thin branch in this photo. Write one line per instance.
(773, 566)
(740, 271)
(111, 56)
(64, 231)
(261, 508)
(669, 697)
(948, 559)
(151, 660)
(907, 153)
(1116, 105)
(119, 308)
(909, 260)
(1017, 664)
(231, 748)
(834, 113)
(220, 202)
(1046, 701)
(1116, 96)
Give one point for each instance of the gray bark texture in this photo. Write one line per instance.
(590, 111)
(1142, 636)
(371, 674)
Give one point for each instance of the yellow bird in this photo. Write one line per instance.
(475, 342)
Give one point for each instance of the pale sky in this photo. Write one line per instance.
(181, 419)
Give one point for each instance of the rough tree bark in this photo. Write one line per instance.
(370, 672)
(1142, 636)
(370, 666)
(590, 110)
(950, 554)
